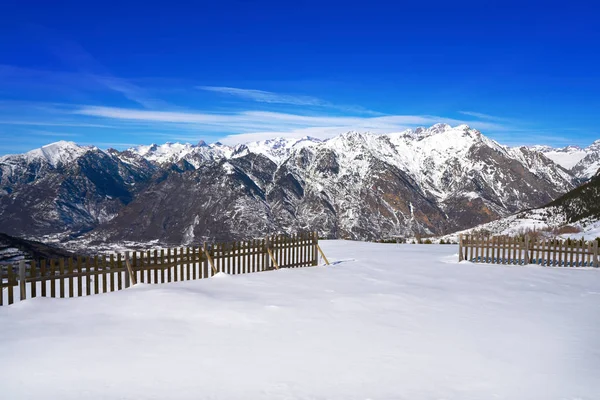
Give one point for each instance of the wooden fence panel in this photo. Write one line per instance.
(480, 249)
(103, 274)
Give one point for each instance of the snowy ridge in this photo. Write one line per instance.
(196, 155)
(54, 154)
(357, 185)
(581, 162)
(278, 149)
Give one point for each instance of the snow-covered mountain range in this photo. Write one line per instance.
(358, 185)
(581, 162)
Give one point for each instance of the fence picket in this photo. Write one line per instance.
(43, 278)
(33, 276)
(11, 279)
(79, 278)
(88, 276)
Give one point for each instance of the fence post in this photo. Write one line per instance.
(596, 261)
(461, 256)
(271, 256)
(22, 282)
(127, 271)
(526, 249)
(266, 254)
(315, 241)
(209, 258)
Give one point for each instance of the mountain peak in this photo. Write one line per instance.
(439, 128)
(61, 152)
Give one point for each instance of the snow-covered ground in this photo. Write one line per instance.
(385, 321)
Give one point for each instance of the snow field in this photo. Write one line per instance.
(385, 321)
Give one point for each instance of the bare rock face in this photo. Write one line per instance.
(356, 185)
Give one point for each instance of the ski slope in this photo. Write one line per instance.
(385, 321)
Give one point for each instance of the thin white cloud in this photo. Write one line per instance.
(479, 115)
(254, 125)
(48, 123)
(263, 96)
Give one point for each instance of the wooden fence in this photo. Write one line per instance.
(93, 275)
(526, 250)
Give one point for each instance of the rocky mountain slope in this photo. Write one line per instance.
(64, 187)
(356, 185)
(583, 163)
(574, 214)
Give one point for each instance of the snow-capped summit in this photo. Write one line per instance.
(278, 149)
(57, 153)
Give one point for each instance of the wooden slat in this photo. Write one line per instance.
(182, 264)
(80, 277)
(71, 271)
(288, 245)
(135, 267)
(152, 262)
(111, 273)
(88, 276)
(486, 251)
(295, 249)
(188, 271)
(205, 263)
(255, 255)
(175, 260)
(61, 274)
(33, 274)
(196, 272)
(43, 277)
(96, 276)
(104, 272)
(235, 267)
(11, 279)
(162, 270)
(139, 266)
(280, 240)
(247, 257)
(228, 255)
(1, 287)
(168, 260)
(570, 246)
(52, 278)
(243, 254)
(243, 257)
(120, 272)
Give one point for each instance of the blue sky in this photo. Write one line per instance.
(116, 74)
